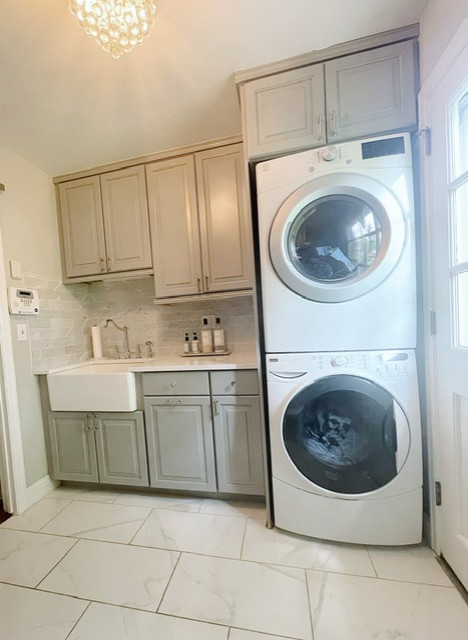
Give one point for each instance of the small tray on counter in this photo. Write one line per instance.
(209, 353)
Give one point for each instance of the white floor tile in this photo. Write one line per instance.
(105, 622)
(26, 614)
(244, 509)
(87, 495)
(160, 502)
(239, 634)
(263, 598)
(355, 608)
(108, 522)
(36, 516)
(113, 573)
(25, 558)
(410, 564)
(195, 532)
(280, 547)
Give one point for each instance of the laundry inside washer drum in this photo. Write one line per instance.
(342, 439)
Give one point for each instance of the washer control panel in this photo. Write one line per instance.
(387, 365)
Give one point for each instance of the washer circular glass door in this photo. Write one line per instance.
(346, 434)
(337, 237)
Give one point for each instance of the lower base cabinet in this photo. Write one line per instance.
(199, 440)
(239, 460)
(180, 443)
(109, 448)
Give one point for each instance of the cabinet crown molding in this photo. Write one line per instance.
(374, 41)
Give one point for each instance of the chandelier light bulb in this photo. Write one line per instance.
(118, 25)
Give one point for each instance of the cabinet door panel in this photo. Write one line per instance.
(126, 222)
(285, 112)
(224, 221)
(371, 92)
(180, 443)
(121, 448)
(238, 441)
(174, 227)
(72, 447)
(82, 228)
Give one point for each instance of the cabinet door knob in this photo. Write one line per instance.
(102, 264)
(173, 385)
(215, 408)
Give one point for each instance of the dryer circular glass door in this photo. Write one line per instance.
(337, 237)
(346, 434)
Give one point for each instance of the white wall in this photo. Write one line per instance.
(29, 230)
(438, 24)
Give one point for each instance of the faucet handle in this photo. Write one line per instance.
(149, 344)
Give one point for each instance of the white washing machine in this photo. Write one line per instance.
(346, 445)
(336, 237)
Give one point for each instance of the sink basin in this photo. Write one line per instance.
(93, 387)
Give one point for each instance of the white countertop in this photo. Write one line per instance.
(175, 362)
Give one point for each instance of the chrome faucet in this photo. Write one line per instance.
(127, 352)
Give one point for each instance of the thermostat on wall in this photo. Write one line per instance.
(23, 301)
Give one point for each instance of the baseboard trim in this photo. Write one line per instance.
(40, 489)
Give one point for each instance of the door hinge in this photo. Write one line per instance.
(438, 494)
(426, 132)
(433, 322)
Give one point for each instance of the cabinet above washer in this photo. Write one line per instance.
(364, 93)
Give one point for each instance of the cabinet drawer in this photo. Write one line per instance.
(176, 383)
(237, 382)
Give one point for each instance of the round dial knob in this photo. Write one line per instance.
(339, 361)
(329, 154)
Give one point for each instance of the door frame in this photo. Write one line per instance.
(12, 470)
(453, 50)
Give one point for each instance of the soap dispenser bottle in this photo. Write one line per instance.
(219, 337)
(206, 337)
(195, 348)
(187, 344)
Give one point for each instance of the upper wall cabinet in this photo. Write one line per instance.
(362, 94)
(104, 224)
(199, 223)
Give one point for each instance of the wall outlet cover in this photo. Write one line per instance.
(22, 330)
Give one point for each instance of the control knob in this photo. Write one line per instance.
(339, 361)
(329, 154)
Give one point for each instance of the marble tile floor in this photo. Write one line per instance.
(103, 565)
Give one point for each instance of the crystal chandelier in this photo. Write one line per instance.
(118, 25)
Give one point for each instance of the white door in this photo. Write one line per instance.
(444, 102)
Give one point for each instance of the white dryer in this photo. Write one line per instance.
(346, 446)
(337, 254)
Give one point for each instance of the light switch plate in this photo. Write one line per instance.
(15, 270)
(22, 330)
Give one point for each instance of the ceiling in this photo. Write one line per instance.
(67, 105)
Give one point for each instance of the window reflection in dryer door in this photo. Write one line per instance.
(334, 238)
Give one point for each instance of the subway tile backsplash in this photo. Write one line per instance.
(60, 335)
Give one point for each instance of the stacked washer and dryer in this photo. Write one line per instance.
(338, 282)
